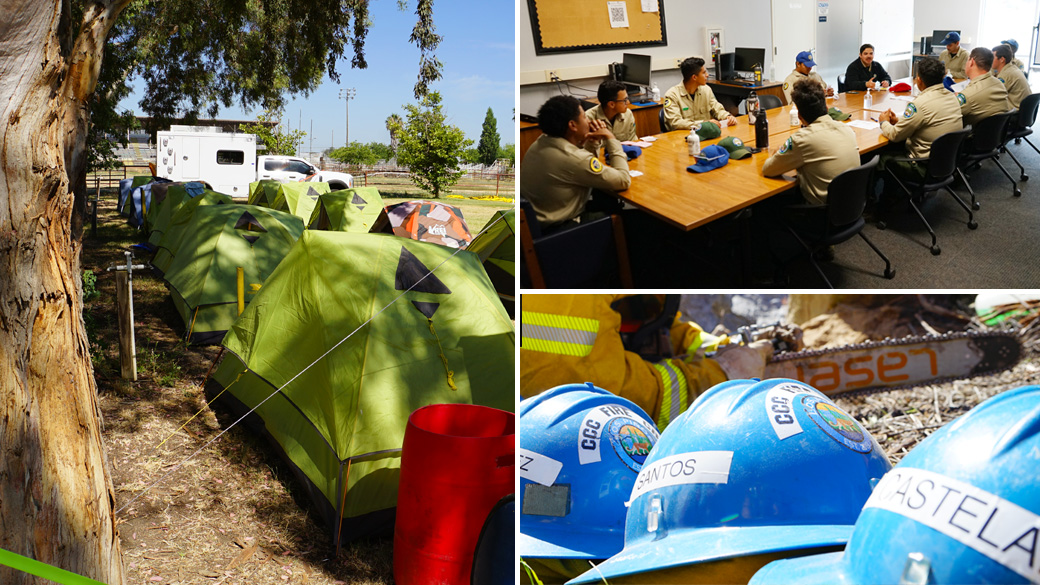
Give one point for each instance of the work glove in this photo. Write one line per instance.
(740, 362)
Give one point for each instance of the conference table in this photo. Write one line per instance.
(688, 200)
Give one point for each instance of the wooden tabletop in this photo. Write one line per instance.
(688, 200)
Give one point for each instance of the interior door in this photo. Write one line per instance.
(794, 31)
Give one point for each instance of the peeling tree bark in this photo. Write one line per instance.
(56, 497)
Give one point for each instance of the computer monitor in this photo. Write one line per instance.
(727, 68)
(746, 59)
(937, 39)
(637, 71)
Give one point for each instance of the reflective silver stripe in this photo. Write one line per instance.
(676, 407)
(560, 334)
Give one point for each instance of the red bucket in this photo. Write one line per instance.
(457, 462)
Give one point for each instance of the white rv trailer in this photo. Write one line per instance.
(227, 161)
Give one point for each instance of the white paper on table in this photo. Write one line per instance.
(865, 124)
(959, 87)
(648, 138)
(618, 12)
(635, 173)
(639, 143)
(649, 5)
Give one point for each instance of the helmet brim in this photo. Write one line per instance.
(822, 568)
(593, 545)
(712, 544)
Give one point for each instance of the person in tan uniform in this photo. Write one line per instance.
(558, 175)
(1015, 60)
(953, 57)
(985, 95)
(692, 102)
(612, 109)
(803, 64)
(820, 151)
(934, 112)
(1014, 80)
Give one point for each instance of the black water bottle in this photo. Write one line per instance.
(761, 129)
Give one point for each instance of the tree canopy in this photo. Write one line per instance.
(487, 150)
(272, 137)
(429, 147)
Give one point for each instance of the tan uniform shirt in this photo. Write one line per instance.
(795, 76)
(931, 114)
(682, 111)
(1015, 83)
(623, 126)
(820, 151)
(1018, 63)
(982, 98)
(557, 177)
(955, 63)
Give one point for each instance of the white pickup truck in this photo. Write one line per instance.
(287, 169)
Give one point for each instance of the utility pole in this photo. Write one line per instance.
(347, 94)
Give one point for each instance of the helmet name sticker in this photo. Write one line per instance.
(779, 410)
(537, 467)
(1001, 530)
(628, 433)
(684, 468)
(839, 426)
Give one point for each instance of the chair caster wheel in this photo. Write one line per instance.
(975, 206)
(1018, 192)
(972, 225)
(1024, 177)
(890, 274)
(936, 250)
(881, 225)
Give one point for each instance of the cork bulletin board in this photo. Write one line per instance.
(567, 26)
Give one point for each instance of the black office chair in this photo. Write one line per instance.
(942, 163)
(768, 102)
(590, 255)
(1021, 127)
(841, 83)
(660, 119)
(846, 199)
(987, 138)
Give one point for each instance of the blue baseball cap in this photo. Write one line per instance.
(1011, 43)
(710, 158)
(805, 58)
(951, 37)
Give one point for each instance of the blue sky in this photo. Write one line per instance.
(479, 72)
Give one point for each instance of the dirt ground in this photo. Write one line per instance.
(230, 514)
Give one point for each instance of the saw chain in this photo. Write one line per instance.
(897, 363)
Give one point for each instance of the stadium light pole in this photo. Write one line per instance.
(347, 94)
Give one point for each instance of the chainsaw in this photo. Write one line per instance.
(893, 363)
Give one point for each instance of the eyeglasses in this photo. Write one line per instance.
(624, 101)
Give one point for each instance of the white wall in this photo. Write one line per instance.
(962, 15)
(685, 21)
(838, 40)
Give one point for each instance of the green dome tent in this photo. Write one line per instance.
(299, 199)
(340, 424)
(263, 192)
(495, 246)
(170, 239)
(173, 194)
(348, 210)
(204, 283)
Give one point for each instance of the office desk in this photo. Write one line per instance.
(731, 94)
(529, 132)
(688, 200)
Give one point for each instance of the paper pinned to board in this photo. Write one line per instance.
(618, 12)
(649, 5)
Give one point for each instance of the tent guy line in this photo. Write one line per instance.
(291, 380)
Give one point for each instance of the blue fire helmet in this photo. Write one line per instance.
(962, 507)
(580, 448)
(750, 468)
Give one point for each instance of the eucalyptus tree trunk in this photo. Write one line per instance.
(56, 497)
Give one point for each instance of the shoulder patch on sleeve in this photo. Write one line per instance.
(1002, 80)
(595, 166)
(786, 85)
(910, 110)
(787, 146)
(667, 102)
(960, 98)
